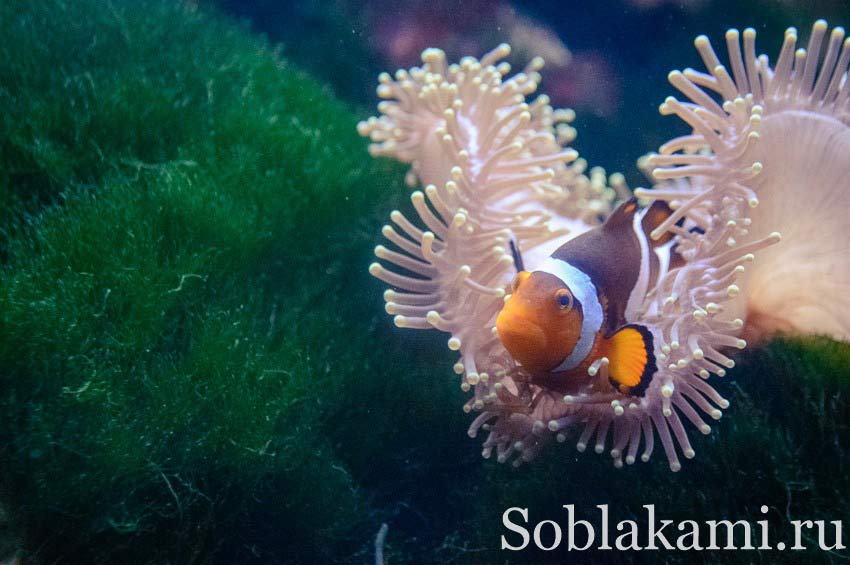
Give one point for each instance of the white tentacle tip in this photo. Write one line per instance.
(432, 55)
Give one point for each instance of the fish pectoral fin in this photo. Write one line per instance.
(631, 358)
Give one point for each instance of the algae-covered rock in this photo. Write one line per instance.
(183, 290)
(196, 365)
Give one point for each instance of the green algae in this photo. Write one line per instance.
(196, 365)
(182, 216)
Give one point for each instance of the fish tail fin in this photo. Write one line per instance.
(631, 359)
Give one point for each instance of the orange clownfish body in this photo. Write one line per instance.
(575, 308)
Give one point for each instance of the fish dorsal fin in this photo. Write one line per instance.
(654, 216)
(631, 359)
(622, 217)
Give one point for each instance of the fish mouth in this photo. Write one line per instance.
(524, 339)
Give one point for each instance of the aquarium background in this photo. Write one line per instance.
(607, 60)
(195, 363)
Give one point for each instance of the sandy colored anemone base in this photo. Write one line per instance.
(495, 170)
(779, 138)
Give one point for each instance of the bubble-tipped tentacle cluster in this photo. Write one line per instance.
(776, 139)
(682, 312)
(496, 171)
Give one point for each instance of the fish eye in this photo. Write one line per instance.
(565, 299)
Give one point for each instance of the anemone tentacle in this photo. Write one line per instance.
(779, 139)
(496, 171)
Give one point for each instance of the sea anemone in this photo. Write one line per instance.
(497, 175)
(495, 171)
(778, 138)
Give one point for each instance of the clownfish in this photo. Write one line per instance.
(578, 305)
